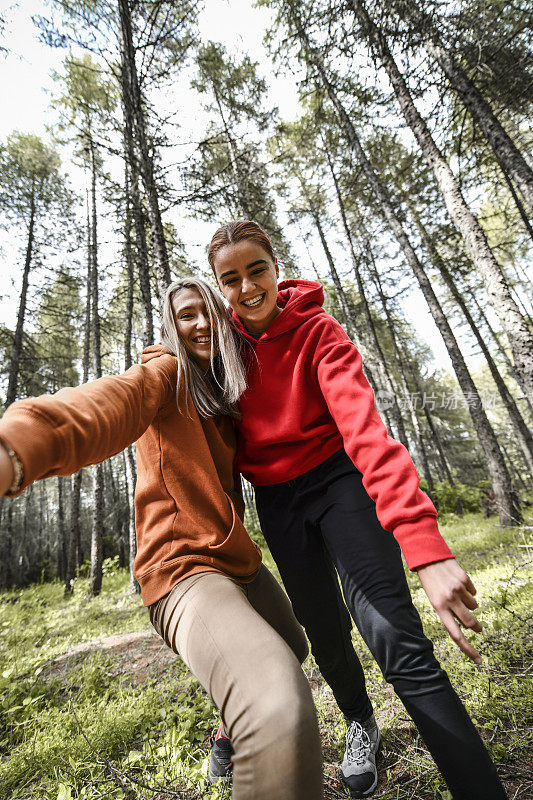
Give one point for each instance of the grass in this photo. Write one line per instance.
(92, 732)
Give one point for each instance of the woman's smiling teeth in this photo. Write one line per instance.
(202, 339)
(253, 301)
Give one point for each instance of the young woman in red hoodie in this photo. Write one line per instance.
(336, 496)
(201, 576)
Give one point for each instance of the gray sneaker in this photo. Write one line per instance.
(358, 771)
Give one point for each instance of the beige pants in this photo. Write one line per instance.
(244, 644)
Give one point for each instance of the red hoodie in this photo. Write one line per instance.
(307, 398)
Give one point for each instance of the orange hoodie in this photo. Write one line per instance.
(187, 507)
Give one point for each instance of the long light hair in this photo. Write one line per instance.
(218, 391)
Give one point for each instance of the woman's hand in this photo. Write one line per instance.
(7, 473)
(451, 593)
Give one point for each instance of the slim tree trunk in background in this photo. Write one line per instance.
(380, 356)
(43, 519)
(129, 458)
(442, 460)
(249, 500)
(515, 472)
(135, 209)
(16, 350)
(95, 578)
(499, 294)
(132, 96)
(131, 477)
(522, 431)
(401, 364)
(62, 544)
(72, 558)
(509, 156)
(501, 482)
(518, 203)
(7, 561)
(398, 431)
(500, 347)
(241, 191)
(74, 549)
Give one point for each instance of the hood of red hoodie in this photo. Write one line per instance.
(298, 299)
(154, 351)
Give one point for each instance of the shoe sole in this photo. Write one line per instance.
(212, 779)
(372, 788)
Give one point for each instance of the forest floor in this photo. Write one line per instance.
(93, 705)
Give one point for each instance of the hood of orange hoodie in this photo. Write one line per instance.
(154, 351)
(298, 299)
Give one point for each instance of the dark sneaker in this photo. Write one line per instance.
(358, 771)
(220, 763)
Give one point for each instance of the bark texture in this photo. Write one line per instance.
(498, 291)
(132, 99)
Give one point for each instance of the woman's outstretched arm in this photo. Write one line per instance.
(61, 433)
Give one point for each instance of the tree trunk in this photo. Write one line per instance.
(522, 431)
(62, 544)
(16, 350)
(499, 294)
(135, 208)
(442, 461)
(131, 477)
(8, 561)
(509, 156)
(518, 203)
(501, 482)
(501, 349)
(422, 455)
(95, 578)
(241, 191)
(129, 458)
(75, 501)
(389, 385)
(74, 549)
(132, 97)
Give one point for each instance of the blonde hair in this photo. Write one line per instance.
(218, 391)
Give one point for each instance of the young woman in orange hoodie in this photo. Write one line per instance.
(200, 574)
(331, 487)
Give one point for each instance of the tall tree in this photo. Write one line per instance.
(509, 513)
(134, 112)
(510, 158)
(34, 196)
(499, 294)
(88, 97)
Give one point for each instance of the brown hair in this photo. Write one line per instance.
(238, 230)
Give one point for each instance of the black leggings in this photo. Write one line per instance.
(323, 523)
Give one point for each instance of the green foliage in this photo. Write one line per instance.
(58, 332)
(87, 101)
(32, 187)
(156, 733)
(454, 499)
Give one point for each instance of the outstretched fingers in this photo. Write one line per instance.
(458, 636)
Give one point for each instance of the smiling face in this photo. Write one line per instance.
(247, 277)
(193, 326)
